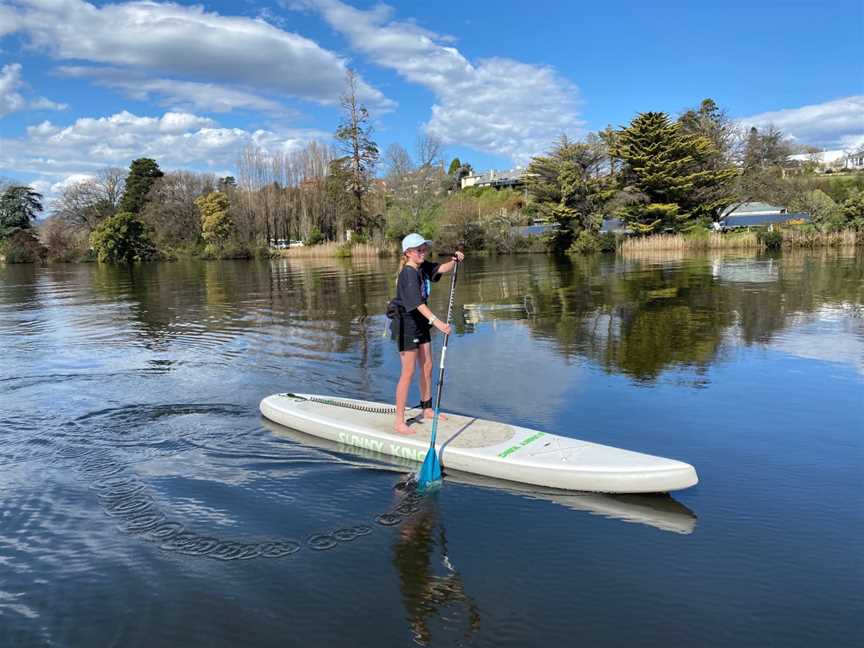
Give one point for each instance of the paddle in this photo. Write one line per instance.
(430, 471)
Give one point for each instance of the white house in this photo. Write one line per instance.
(493, 178)
(837, 159)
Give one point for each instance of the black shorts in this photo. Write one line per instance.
(408, 333)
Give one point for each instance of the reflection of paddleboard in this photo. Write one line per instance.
(481, 447)
(659, 511)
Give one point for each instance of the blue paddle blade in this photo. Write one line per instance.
(430, 471)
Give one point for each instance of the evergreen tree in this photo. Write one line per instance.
(216, 224)
(457, 171)
(143, 172)
(19, 205)
(852, 209)
(122, 238)
(361, 153)
(712, 123)
(570, 186)
(673, 171)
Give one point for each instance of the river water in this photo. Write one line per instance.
(144, 501)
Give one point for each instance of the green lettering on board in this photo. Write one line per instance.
(523, 443)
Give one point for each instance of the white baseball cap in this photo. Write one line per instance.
(414, 240)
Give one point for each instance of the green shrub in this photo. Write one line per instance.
(586, 243)
(853, 209)
(122, 238)
(23, 247)
(315, 238)
(344, 251)
(771, 239)
(607, 242)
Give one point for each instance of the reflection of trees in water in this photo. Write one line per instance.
(637, 316)
(331, 302)
(430, 591)
(640, 317)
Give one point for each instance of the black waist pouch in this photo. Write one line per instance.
(393, 310)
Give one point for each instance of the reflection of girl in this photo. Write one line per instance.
(423, 592)
(413, 323)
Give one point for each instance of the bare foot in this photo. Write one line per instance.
(430, 414)
(401, 428)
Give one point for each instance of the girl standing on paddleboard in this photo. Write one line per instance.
(413, 321)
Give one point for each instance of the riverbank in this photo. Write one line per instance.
(750, 240)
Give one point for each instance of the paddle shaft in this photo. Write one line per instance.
(444, 354)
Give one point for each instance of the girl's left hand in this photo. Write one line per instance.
(458, 256)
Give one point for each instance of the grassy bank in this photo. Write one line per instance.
(784, 238)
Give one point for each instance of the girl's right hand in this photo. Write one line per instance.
(445, 328)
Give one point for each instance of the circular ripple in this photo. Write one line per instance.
(362, 529)
(388, 519)
(164, 531)
(229, 550)
(122, 491)
(107, 483)
(190, 544)
(143, 522)
(407, 508)
(280, 548)
(101, 467)
(128, 505)
(321, 542)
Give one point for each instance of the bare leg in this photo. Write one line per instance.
(424, 366)
(408, 359)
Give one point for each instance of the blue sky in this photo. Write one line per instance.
(89, 85)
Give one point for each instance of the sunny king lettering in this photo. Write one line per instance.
(524, 442)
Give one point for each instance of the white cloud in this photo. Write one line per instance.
(52, 153)
(495, 105)
(170, 40)
(8, 20)
(188, 95)
(10, 80)
(68, 181)
(11, 100)
(833, 124)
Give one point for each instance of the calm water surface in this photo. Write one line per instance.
(144, 502)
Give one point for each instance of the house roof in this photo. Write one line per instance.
(754, 220)
(751, 208)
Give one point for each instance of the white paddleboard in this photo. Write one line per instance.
(482, 447)
(660, 511)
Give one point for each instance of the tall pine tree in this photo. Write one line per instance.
(143, 172)
(361, 153)
(675, 172)
(570, 186)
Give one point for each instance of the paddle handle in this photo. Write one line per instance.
(444, 353)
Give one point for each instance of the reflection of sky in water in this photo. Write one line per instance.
(519, 372)
(832, 334)
(747, 271)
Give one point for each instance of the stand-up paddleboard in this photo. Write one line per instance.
(660, 511)
(482, 447)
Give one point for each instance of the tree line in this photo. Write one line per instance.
(657, 174)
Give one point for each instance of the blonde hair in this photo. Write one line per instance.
(402, 263)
